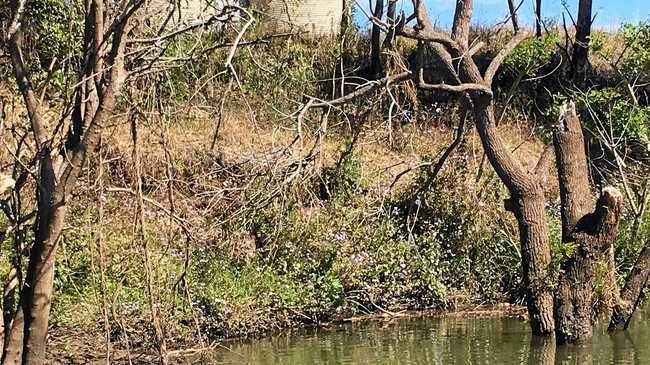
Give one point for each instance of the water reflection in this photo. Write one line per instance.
(451, 340)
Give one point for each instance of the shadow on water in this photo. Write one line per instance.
(448, 340)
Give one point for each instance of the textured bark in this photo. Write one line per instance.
(462, 19)
(530, 211)
(580, 59)
(573, 173)
(592, 233)
(632, 292)
(527, 202)
(574, 303)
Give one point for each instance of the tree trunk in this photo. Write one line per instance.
(592, 233)
(376, 67)
(347, 16)
(580, 60)
(632, 292)
(39, 284)
(572, 170)
(462, 21)
(389, 42)
(36, 294)
(574, 304)
(513, 15)
(13, 350)
(538, 18)
(528, 203)
(530, 211)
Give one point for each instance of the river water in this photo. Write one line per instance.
(443, 340)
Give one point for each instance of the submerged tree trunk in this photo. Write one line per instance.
(528, 204)
(542, 351)
(591, 232)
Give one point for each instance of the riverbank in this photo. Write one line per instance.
(72, 347)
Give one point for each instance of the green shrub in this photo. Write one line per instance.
(636, 59)
(468, 230)
(607, 113)
(533, 54)
(54, 30)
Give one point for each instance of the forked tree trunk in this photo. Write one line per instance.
(59, 171)
(527, 200)
(528, 204)
(591, 232)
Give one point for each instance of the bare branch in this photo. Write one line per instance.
(501, 56)
(465, 87)
(14, 40)
(366, 89)
(462, 18)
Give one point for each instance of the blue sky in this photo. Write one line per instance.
(609, 13)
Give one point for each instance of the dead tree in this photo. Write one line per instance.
(590, 227)
(580, 59)
(391, 18)
(513, 15)
(108, 45)
(376, 67)
(538, 18)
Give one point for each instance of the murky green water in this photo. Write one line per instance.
(450, 340)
